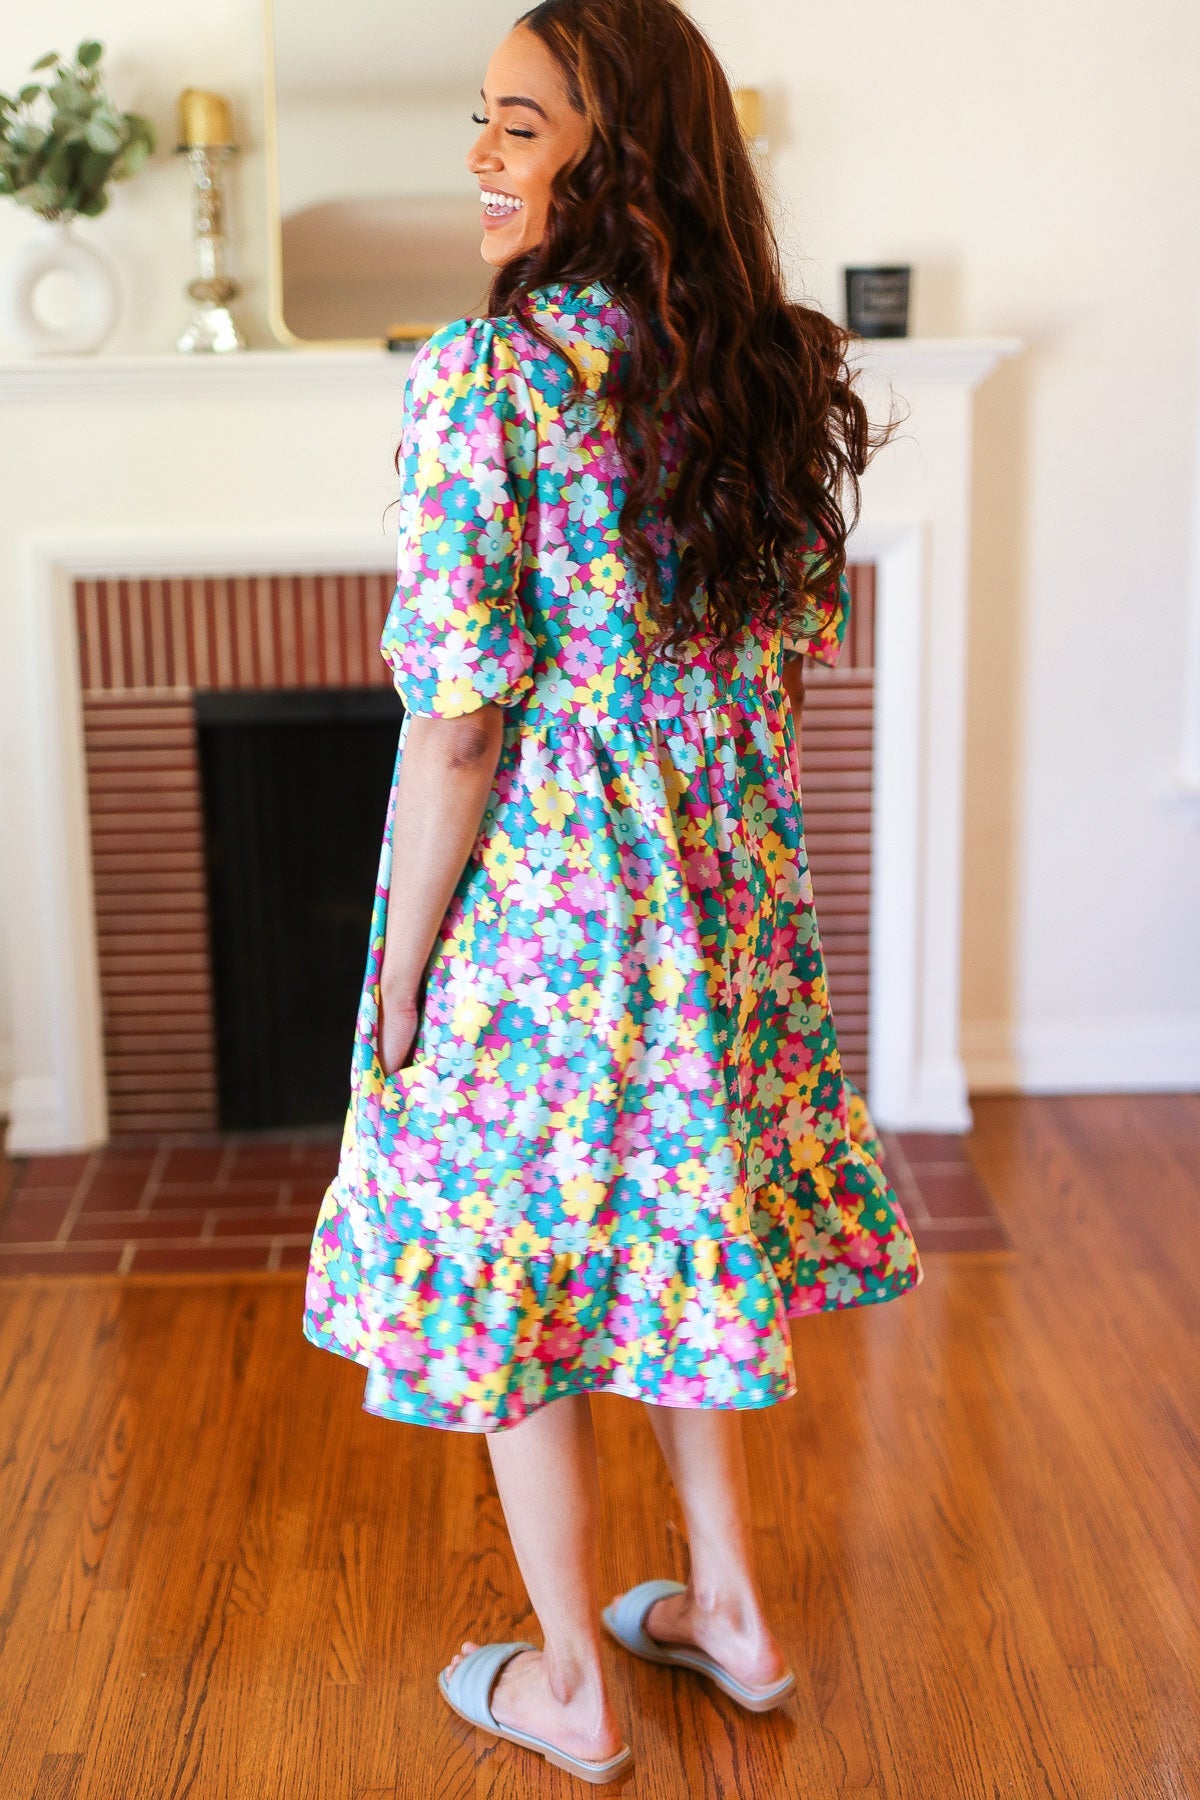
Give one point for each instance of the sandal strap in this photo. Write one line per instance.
(470, 1684)
(627, 1615)
(626, 1618)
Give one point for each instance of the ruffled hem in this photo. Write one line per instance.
(473, 1340)
(381, 1399)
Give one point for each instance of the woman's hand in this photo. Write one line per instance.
(398, 1022)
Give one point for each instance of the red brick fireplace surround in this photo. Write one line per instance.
(146, 648)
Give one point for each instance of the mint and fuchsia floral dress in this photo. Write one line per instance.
(624, 1154)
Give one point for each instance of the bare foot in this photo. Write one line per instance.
(746, 1646)
(582, 1723)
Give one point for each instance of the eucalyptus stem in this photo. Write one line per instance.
(62, 140)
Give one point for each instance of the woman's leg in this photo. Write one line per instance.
(547, 1479)
(722, 1610)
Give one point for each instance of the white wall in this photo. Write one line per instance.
(1034, 163)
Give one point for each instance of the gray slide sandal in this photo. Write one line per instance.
(468, 1689)
(625, 1620)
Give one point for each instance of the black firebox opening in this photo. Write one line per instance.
(295, 797)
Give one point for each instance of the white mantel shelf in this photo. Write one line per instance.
(277, 459)
(170, 375)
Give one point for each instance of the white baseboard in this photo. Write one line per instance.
(1137, 1054)
(8, 1069)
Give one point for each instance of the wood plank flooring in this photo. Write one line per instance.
(979, 1520)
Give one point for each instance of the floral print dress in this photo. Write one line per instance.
(624, 1154)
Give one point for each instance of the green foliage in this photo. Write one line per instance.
(62, 139)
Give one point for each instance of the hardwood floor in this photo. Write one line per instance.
(980, 1520)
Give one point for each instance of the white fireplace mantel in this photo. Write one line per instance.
(280, 460)
(163, 375)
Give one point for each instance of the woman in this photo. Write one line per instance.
(598, 1136)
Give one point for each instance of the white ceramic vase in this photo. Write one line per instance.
(55, 250)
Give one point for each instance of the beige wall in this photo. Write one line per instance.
(1036, 163)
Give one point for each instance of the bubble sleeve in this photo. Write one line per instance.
(455, 637)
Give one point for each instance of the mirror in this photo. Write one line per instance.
(374, 216)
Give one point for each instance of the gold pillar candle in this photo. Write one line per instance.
(749, 104)
(204, 119)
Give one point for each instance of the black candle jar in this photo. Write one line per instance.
(877, 300)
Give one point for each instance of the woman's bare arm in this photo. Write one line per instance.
(446, 775)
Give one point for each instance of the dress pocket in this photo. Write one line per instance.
(404, 1077)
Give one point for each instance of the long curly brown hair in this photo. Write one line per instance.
(665, 208)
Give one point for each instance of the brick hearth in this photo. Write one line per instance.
(226, 1205)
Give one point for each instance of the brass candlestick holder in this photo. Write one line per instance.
(213, 327)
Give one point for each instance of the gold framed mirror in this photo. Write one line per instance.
(373, 216)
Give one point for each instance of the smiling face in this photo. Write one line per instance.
(529, 131)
